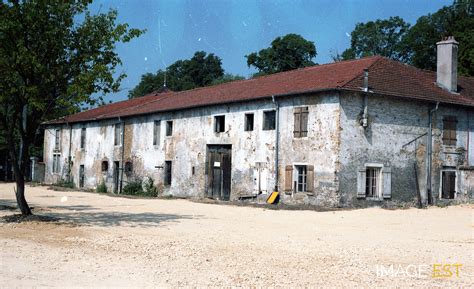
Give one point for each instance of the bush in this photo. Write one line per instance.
(101, 188)
(140, 187)
(65, 183)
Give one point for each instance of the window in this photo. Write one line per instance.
(57, 139)
(219, 123)
(156, 132)
(167, 173)
(301, 178)
(301, 122)
(269, 120)
(105, 166)
(449, 130)
(248, 123)
(372, 182)
(56, 158)
(128, 167)
(118, 134)
(448, 184)
(83, 137)
(169, 128)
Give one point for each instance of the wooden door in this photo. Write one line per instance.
(219, 172)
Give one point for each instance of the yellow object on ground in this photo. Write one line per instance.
(272, 198)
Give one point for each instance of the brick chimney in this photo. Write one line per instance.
(447, 64)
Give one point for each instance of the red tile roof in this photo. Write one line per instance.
(386, 77)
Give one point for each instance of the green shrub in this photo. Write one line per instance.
(101, 188)
(65, 183)
(133, 188)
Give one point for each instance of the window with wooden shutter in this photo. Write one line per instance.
(449, 130)
(288, 178)
(300, 128)
(309, 178)
(387, 183)
(361, 179)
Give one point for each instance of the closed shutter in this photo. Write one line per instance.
(387, 182)
(361, 183)
(309, 178)
(288, 178)
(304, 122)
(297, 126)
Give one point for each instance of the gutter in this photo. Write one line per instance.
(277, 141)
(429, 193)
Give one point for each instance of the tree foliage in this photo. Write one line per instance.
(201, 70)
(53, 56)
(380, 37)
(289, 52)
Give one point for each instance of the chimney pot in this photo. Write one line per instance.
(447, 64)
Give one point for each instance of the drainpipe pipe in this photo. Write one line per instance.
(429, 193)
(468, 139)
(277, 140)
(69, 154)
(123, 149)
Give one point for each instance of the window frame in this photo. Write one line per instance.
(266, 125)
(106, 165)
(83, 138)
(168, 173)
(118, 136)
(449, 130)
(377, 176)
(56, 164)
(219, 123)
(441, 183)
(246, 121)
(57, 139)
(169, 128)
(301, 186)
(156, 132)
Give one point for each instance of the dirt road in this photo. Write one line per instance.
(110, 241)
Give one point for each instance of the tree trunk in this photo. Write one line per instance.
(20, 196)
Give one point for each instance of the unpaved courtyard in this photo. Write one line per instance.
(111, 241)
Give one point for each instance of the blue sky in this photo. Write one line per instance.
(233, 29)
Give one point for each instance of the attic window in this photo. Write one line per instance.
(219, 123)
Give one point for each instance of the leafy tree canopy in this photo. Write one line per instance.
(380, 37)
(285, 53)
(201, 70)
(53, 56)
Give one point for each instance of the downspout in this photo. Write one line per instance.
(429, 194)
(468, 139)
(277, 140)
(123, 149)
(69, 154)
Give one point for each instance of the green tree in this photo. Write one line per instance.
(201, 70)
(285, 53)
(456, 20)
(380, 37)
(228, 77)
(53, 56)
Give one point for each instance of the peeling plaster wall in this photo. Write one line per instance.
(393, 123)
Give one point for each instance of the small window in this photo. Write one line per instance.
(219, 123)
(248, 124)
(56, 159)
(57, 139)
(169, 128)
(83, 137)
(105, 166)
(372, 182)
(168, 173)
(156, 132)
(269, 120)
(301, 182)
(301, 122)
(128, 167)
(118, 134)
(449, 130)
(448, 184)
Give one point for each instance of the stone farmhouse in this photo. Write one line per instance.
(351, 133)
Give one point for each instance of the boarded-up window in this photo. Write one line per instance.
(448, 185)
(57, 139)
(156, 132)
(83, 137)
(248, 125)
(219, 123)
(449, 130)
(118, 134)
(301, 122)
(269, 120)
(169, 128)
(168, 168)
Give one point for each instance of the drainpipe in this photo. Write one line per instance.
(69, 154)
(277, 140)
(429, 194)
(123, 149)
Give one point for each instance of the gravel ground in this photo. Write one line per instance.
(91, 240)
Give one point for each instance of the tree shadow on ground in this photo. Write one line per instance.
(86, 215)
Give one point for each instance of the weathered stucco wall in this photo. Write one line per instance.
(392, 123)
